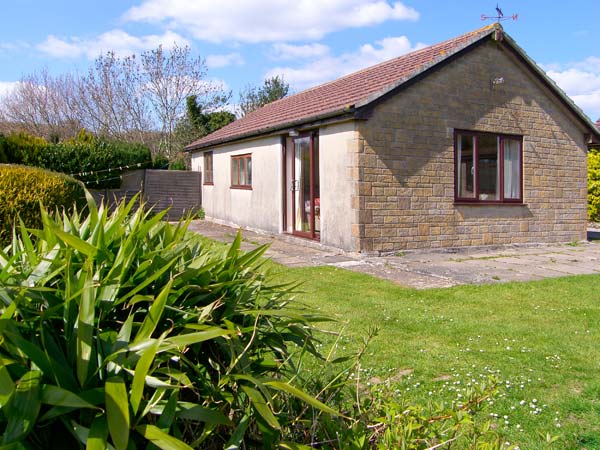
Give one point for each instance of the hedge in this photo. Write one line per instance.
(23, 188)
(20, 148)
(594, 185)
(98, 163)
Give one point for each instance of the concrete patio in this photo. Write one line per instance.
(428, 269)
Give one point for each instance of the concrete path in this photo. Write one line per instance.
(428, 269)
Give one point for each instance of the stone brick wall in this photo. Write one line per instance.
(403, 163)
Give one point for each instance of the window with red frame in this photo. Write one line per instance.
(241, 171)
(208, 168)
(488, 168)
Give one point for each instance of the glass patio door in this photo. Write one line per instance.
(305, 187)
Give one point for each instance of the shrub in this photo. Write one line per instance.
(125, 330)
(200, 213)
(376, 414)
(23, 188)
(394, 423)
(160, 162)
(179, 162)
(98, 163)
(594, 185)
(21, 148)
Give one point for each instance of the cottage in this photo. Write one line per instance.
(463, 143)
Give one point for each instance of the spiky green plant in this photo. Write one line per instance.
(118, 330)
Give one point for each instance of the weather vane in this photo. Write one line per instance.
(500, 16)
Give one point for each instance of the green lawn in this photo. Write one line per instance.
(540, 339)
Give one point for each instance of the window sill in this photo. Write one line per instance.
(243, 188)
(208, 184)
(459, 203)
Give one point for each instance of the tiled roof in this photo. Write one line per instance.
(337, 96)
(358, 89)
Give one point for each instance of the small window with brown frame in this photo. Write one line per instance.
(241, 171)
(208, 168)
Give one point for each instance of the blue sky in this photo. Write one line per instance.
(308, 41)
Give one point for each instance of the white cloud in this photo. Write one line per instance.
(287, 51)
(13, 46)
(387, 48)
(117, 41)
(590, 103)
(6, 87)
(267, 20)
(576, 81)
(581, 33)
(329, 67)
(581, 82)
(230, 59)
(58, 48)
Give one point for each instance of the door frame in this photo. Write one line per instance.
(289, 177)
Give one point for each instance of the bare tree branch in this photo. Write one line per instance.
(131, 98)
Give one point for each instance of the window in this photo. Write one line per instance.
(241, 172)
(488, 168)
(208, 168)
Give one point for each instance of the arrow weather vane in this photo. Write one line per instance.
(500, 16)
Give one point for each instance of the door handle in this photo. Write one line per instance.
(294, 186)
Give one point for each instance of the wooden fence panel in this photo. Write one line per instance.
(179, 190)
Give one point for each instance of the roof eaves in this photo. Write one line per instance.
(552, 84)
(348, 109)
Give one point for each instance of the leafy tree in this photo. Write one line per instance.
(254, 97)
(198, 122)
(206, 122)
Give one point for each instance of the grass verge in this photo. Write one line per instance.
(540, 339)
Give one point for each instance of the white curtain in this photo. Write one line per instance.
(512, 168)
(466, 167)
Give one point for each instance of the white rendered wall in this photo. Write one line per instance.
(337, 216)
(259, 208)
